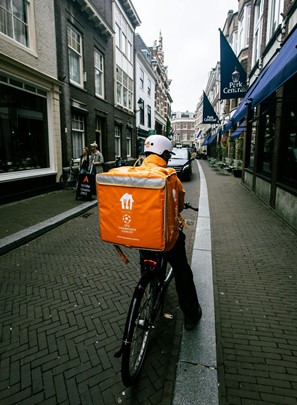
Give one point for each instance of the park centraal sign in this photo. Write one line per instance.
(233, 76)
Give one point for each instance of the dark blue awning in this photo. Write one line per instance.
(205, 142)
(212, 138)
(238, 131)
(281, 68)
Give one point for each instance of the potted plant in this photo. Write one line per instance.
(237, 172)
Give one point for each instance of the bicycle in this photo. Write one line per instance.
(147, 301)
(69, 175)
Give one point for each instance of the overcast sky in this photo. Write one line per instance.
(190, 30)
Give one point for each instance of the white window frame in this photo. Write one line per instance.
(124, 43)
(77, 134)
(99, 73)
(149, 87)
(117, 140)
(74, 40)
(129, 142)
(257, 34)
(129, 51)
(118, 36)
(14, 25)
(141, 78)
(274, 18)
(243, 29)
(124, 89)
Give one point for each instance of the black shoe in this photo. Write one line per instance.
(191, 320)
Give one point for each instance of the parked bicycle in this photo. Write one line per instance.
(70, 174)
(147, 301)
(120, 162)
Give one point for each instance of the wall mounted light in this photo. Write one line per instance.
(235, 76)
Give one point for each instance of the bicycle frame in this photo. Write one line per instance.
(147, 300)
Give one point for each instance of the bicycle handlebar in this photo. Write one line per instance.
(188, 205)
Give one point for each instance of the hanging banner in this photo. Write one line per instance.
(209, 115)
(233, 76)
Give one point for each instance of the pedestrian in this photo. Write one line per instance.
(84, 162)
(158, 150)
(96, 161)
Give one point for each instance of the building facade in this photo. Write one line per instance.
(260, 130)
(67, 80)
(95, 41)
(30, 152)
(163, 99)
(183, 128)
(145, 85)
(270, 137)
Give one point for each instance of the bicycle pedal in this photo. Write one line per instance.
(168, 316)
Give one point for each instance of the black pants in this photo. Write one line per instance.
(183, 275)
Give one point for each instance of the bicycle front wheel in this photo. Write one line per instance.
(137, 329)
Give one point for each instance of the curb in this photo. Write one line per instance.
(20, 238)
(196, 377)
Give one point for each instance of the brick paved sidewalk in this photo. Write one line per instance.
(255, 280)
(22, 214)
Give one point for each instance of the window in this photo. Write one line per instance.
(129, 137)
(75, 55)
(130, 93)
(275, 7)
(149, 116)
(289, 136)
(14, 20)
(141, 78)
(78, 134)
(243, 29)
(118, 36)
(129, 51)
(99, 74)
(23, 127)
(252, 149)
(141, 111)
(258, 20)
(119, 85)
(124, 43)
(149, 87)
(266, 133)
(124, 89)
(99, 129)
(117, 140)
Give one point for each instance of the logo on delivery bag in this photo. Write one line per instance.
(127, 204)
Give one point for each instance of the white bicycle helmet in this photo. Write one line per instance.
(158, 144)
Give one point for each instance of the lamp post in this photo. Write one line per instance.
(140, 104)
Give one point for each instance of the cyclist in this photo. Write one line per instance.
(158, 150)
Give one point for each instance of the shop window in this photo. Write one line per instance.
(23, 130)
(266, 135)
(288, 141)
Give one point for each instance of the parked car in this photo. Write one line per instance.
(182, 163)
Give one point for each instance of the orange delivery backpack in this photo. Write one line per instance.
(138, 207)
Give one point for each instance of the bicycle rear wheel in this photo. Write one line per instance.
(138, 328)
